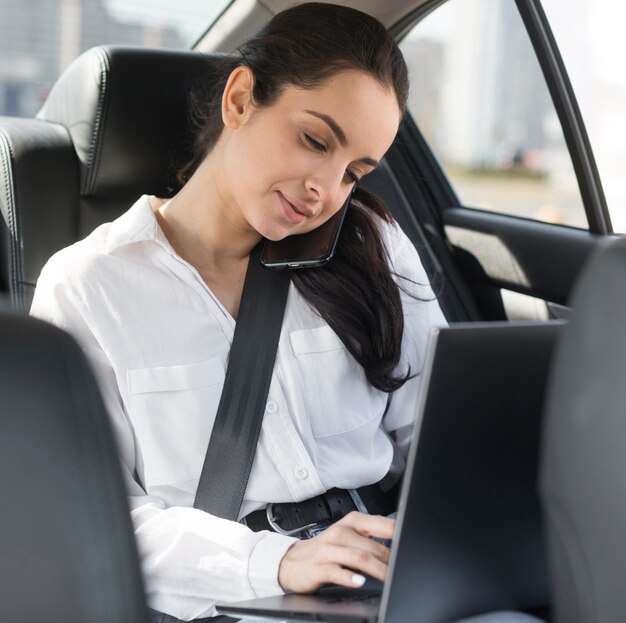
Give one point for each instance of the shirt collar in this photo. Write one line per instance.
(137, 224)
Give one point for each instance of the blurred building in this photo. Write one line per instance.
(495, 99)
(39, 38)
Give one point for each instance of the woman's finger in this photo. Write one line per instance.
(369, 525)
(344, 577)
(355, 559)
(346, 536)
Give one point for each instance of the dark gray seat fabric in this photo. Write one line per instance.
(115, 126)
(584, 448)
(67, 550)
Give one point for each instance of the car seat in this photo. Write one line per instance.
(583, 478)
(114, 126)
(67, 550)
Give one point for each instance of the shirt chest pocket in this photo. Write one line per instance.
(173, 410)
(338, 396)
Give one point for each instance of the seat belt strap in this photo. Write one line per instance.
(237, 426)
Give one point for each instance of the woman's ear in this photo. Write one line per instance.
(237, 103)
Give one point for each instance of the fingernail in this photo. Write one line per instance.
(358, 580)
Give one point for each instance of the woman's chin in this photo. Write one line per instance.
(276, 232)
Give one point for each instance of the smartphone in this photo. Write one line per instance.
(315, 248)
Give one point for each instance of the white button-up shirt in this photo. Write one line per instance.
(159, 339)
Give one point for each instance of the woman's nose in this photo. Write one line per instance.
(324, 186)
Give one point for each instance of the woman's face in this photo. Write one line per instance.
(289, 167)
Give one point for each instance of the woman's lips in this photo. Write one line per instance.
(295, 213)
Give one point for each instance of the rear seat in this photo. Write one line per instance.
(111, 129)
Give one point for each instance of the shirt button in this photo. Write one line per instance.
(301, 473)
(271, 406)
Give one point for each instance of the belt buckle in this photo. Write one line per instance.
(271, 520)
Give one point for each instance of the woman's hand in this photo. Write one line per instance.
(339, 555)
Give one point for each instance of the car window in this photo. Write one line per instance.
(591, 40)
(38, 40)
(480, 99)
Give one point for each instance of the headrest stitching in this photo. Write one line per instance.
(100, 120)
(8, 157)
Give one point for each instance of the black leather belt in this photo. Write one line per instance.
(293, 517)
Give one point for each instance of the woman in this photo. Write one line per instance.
(309, 106)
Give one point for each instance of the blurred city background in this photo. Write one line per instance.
(478, 94)
(480, 99)
(39, 38)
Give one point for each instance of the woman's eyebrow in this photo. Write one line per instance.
(339, 133)
(332, 124)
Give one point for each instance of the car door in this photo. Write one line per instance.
(492, 173)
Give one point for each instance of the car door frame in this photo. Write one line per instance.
(495, 251)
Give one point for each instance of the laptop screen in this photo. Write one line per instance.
(470, 536)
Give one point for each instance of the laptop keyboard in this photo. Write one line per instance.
(360, 597)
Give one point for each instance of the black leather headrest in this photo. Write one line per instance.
(128, 116)
(584, 449)
(116, 125)
(67, 551)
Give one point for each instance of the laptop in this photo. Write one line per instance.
(469, 536)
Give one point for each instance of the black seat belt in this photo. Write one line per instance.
(232, 447)
(237, 426)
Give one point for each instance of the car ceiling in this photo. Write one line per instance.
(243, 18)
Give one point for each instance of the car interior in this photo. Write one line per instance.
(59, 461)
(115, 126)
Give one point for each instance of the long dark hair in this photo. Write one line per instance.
(302, 46)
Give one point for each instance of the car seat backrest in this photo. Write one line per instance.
(115, 125)
(583, 478)
(67, 550)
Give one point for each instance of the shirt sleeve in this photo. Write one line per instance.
(190, 559)
(422, 314)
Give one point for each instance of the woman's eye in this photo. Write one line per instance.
(352, 176)
(315, 144)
